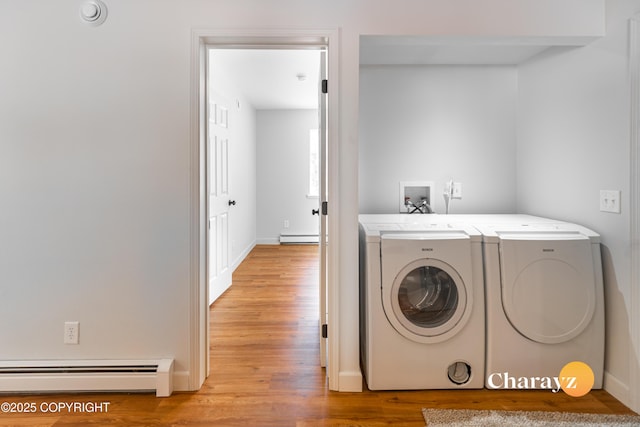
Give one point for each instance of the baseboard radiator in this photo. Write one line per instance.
(40, 376)
(298, 238)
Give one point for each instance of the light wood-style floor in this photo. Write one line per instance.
(265, 369)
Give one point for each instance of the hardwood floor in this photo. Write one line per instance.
(265, 369)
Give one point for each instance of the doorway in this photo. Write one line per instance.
(264, 155)
(204, 44)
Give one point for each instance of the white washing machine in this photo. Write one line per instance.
(544, 301)
(422, 303)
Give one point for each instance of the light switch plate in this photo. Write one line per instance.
(610, 201)
(456, 192)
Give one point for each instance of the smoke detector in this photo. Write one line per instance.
(93, 12)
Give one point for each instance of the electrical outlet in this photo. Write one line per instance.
(286, 223)
(610, 201)
(71, 332)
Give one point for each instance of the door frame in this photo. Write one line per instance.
(634, 206)
(198, 317)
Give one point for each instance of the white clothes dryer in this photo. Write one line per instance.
(544, 302)
(422, 304)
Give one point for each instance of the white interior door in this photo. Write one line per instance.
(323, 198)
(219, 201)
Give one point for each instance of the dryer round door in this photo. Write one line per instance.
(548, 289)
(427, 301)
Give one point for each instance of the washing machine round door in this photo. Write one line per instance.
(428, 300)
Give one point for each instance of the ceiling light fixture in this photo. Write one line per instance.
(93, 12)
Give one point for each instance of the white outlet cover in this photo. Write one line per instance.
(71, 332)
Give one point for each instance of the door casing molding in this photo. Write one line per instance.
(634, 315)
(198, 289)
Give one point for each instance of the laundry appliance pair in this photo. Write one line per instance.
(467, 301)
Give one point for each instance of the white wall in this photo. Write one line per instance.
(94, 182)
(95, 169)
(283, 174)
(573, 142)
(436, 123)
(243, 184)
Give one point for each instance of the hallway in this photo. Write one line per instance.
(264, 328)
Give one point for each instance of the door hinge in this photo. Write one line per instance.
(325, 331)
(325, 86)
(325, 208)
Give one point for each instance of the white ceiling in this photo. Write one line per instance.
(268, 79)
(416, 50)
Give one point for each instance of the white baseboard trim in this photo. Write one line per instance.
(350, 381)
(616, 388)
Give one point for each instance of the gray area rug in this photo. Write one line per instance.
(472, 418)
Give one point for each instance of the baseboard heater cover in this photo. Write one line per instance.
(298, 238)
(41, 376)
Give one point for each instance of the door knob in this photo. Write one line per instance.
(232, 202)
(315, 211)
